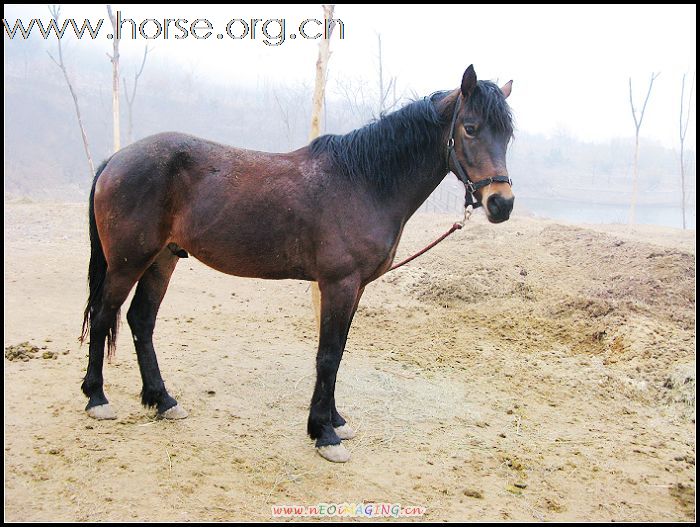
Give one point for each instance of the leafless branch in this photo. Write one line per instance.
(638, 122)
(130, 98)
(55, 12)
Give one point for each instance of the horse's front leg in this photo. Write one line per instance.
(342, 428)
(338, 304)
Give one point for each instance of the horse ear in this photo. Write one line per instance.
(468, 81)
(506, 88)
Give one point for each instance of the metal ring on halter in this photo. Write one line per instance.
(468, 209)
(467, 214)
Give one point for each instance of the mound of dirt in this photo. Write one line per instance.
(539, 285)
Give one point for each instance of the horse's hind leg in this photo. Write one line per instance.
(142, 320)
(103, 321)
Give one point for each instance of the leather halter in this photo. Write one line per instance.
(471, 188)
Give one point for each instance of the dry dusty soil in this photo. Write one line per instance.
(523, 371)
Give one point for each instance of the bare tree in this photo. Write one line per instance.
(353, 92)
(114, 59)
(682, 130)
(56, 15)
(293, 108)
(284, 113)
(637, 126)
(130, 98)
(324, 55)
(385, 104)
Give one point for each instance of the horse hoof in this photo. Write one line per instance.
(345, 432)
(102, 411)
(176, 412)
(335, 453)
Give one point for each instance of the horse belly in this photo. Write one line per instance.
(251, 247)
(252, 264)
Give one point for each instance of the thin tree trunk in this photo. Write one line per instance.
(385, 105)
(635, 177)
(381, 77)
(114, 58)
(637, 127)
(682, 186)
(130, 99)
(324, 54)
(55, 13)
(682, 129)
(129, 115)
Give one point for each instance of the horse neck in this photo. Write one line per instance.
(410, 188)
(414, 189)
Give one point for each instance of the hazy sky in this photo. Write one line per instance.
(570, 64)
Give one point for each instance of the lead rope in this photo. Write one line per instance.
(455, 227)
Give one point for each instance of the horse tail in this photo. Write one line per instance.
(97, 271)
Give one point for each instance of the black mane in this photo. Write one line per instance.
(408, 141)
(380, 152)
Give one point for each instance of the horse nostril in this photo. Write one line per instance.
(500, 207)
(493, 204)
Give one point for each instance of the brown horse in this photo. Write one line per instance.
(331, 212)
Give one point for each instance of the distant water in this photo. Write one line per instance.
(666, 215)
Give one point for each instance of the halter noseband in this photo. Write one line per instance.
(471, 188)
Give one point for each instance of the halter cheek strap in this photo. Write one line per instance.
(471, 188)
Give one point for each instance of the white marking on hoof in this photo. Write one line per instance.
(334, 453)
(102, 411)
(345, 432)
(176, 412)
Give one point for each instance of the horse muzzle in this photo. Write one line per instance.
(499, 208)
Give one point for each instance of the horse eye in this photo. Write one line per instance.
(471, 130)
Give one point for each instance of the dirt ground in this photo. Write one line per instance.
(523, 371)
